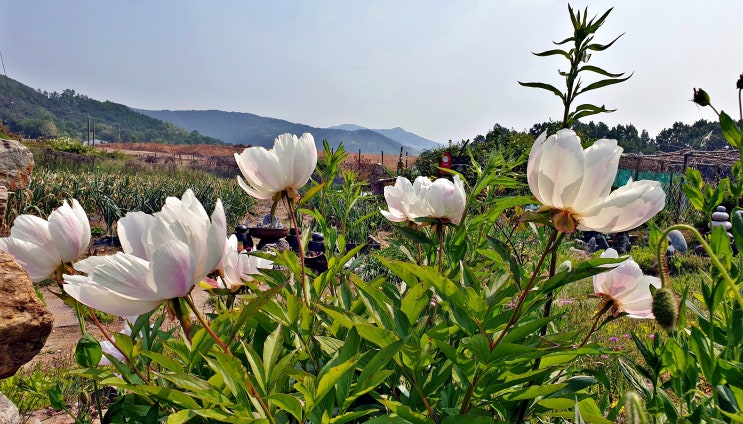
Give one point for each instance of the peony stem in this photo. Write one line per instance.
(290, 206)
(526, 290)
(440, 230)
(599, 314)
(206, 325)
(715, 260)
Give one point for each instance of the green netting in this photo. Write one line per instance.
(623, 175)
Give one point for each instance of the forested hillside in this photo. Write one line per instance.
(34, 114)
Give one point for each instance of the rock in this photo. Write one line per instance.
(677, 240)
(16, 164)
(601, 243)
(25, 323)
(670, 251)
(621, 243)
(725, 224)
(720, 216)
(9, 413)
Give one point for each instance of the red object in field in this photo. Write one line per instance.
(445, 162)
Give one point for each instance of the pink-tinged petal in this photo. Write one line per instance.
(132, 230)
(252, 265)
(625, 208)
(33, 230)
(172, 269)
(37, 261)
(601, 163)
(533, 166)
(560, 172)
(67, 233)
(88, 293)
(121, 273)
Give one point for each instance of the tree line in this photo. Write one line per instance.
(36, 114)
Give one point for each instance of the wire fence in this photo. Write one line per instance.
(669, 169)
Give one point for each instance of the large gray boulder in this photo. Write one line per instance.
(25, 323)
(9, 413)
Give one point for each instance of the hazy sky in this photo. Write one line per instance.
(442, 69)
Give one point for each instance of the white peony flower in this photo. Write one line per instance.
(576, 184)
(285, 168)
(626, 287)
(164, 257)
(40, 246)
(441, 199)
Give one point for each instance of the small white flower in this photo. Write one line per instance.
(285, 168)
(441, 199)
(626, 287)
(40, 246)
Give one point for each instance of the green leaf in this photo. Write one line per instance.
(596, 69)
(730, 130)
(329, 378)
(544, 86)
(553, 53)
(164, 361)
(287, 403)
(56, 399)
(603, 83)
(88, 352)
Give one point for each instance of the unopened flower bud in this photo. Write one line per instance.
(665, 309)
(701, 97)
(739, 84)
(635, 411)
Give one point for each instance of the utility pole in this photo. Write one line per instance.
(88, 130)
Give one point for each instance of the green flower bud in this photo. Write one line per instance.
(665, 309)
(739, 84)
(701, 97)
(635, 410)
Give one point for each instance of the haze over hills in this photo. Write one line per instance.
(250, 129)
(397, 134)
(36, 113)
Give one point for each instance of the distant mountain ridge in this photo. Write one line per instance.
(250, 129)
(398, 134)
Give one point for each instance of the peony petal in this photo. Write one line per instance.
(305, 160)
(67, 233)
(601, 163)
(172, 269)
(121, 273)
(88, 293)
(215, 242)
(110, 349)
(533, 166)
(37, 261)
(132, 229)
(625, 208)
(33, 230)
(560, 172)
